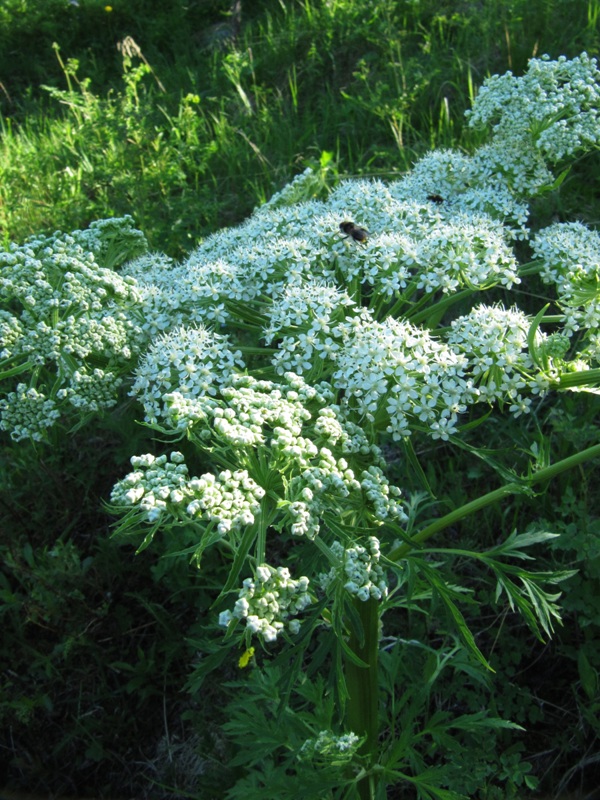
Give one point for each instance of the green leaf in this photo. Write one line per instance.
(587, 675)
(10, 373)
(444, 592)
(516, 542)
(479, 720)
(239, 561)
(409, 451)
(533, 329)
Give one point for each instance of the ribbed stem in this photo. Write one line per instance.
(363, 685)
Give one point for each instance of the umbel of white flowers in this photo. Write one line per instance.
(72, 329)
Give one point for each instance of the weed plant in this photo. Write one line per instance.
(99, 644)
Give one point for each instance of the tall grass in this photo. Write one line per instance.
(200, 128)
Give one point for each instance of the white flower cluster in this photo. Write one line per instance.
(554, 107)
(312, 304)
(467, 250)
(67, 325)
(231, 269)
(307, 312)
(494, 340)
(192, 362)
(363, 575)
(175, 295)
(462, 183)
(412, 235)
(327, 305)
(289, 416)
(511, 164)
(160, 487)
(267, 601)
(394, 366)
(548, 114)
(330, 747)
(570, 257)
(270, 232)
(283, 262)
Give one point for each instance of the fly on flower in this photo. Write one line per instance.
(435, 198)
(355, 231)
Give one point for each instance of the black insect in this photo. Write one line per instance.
(355, 231)
(435, 198)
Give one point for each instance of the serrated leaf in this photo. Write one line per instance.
(443, 591)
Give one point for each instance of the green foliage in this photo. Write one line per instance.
(93, 640)
(279, 730)
(188, 135)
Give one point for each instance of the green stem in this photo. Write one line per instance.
(362, 683)
(437, 310)
(588, 377)
(540, 476)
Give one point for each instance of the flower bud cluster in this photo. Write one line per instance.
(556, 102)
(308, 440)
(570, 257)
(303, 186)
(321, 486)
(331, 482)
(91, 390)
(341, 433)
(330, 748)
(382, 495)
(67, 326)
(160, 487)
(112, 241)
(25, 413)
(363, 575)
(268, 601)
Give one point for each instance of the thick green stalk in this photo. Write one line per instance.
(588, 377)
(363, 686)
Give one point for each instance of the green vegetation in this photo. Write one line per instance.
(187, 116)
(153, 111)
